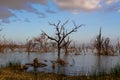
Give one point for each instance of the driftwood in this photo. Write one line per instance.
(36, 65)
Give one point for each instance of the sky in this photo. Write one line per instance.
(25, 19)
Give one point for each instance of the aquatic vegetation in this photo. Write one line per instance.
(13, 64)
(115, 71)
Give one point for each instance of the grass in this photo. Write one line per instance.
(8, 74)
(115, 71)
(114, 74)
(13, 64)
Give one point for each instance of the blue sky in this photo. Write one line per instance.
(22, 19)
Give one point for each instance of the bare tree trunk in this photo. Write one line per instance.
(59, 53)
(66, 50)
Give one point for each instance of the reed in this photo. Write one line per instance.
(13, 64)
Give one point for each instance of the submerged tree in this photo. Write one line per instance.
(118, 46)
(42, 40)
(98, 43)
(102, 45)
(61, 34)
(29, 46)
(66, 44)
(106, 46)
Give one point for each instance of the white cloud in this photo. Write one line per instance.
(83, 5)
(108, 2)
(75, 6)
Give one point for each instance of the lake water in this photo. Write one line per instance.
(76, 64)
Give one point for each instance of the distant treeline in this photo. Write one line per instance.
(99, 46)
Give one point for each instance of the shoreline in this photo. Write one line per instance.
(11, 74)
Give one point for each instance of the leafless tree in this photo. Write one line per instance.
(106, 46)
(102, 45)
(42, 40)
(118, 46)
(99, 43)
(66, 44)
(61, 34)
(12, 45)
(29, 46)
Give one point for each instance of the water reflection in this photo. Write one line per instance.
(76, 64)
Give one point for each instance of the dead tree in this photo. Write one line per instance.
(99, 43)
(106, 46)
(102, 45)
(42, 40)
(61, 34)
(29, 46)
(12, 45)
(117, 47)
(66, 44)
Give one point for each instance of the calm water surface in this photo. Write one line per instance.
(76, 64)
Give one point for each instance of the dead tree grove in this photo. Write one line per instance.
(61, 33)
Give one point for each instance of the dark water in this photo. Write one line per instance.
(76, 64)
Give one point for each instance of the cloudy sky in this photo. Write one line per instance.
(22, 19)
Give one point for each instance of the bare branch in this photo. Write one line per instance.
(66, 43)
(57, 29)
(50, 37)
(58, 23)
(76, 25)
(52, 24)
(73, 30)
(55, 24)
(62, 26)
(62, 34)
